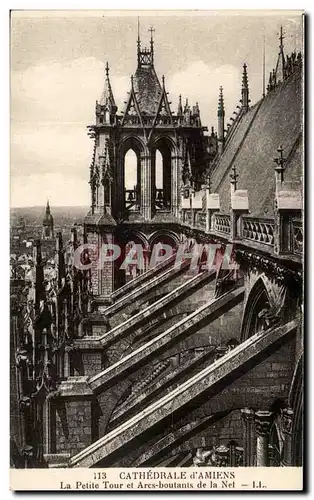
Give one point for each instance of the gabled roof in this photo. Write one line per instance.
(132, 106)
(275, 120)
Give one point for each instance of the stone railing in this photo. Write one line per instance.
(187, 217)
(132, 120)
(296, 233)
(258, 229)
(131, 197)
(200, 220)
(161, 203)
(222, 223)
(246, 228)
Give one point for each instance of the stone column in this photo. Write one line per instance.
(146, 186)
(287, 419)
(279, 178)
(67, 351)
(118, 186)
(232, 453)
(47, 427)
(263, 421)
(106, 273)
(248, 437)
(233, 213)
(175, 189)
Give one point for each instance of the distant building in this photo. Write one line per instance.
(47, 232)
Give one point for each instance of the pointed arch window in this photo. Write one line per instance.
(161, 169)
(131, 179)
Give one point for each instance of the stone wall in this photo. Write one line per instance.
(73, 421)
(101, 279)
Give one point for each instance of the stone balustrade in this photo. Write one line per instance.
(296, 231)
(222, 223)
(258, 231)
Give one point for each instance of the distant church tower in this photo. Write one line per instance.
(47, 232)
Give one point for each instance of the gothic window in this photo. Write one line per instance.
(159, 170)
(161, 166)
(255, 317)
(131, 179)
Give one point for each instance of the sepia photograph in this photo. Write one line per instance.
(156, 249)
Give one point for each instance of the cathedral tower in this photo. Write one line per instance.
(47, 231)
(142, 158)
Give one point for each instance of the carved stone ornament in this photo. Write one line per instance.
(263, 421)
(247, 414)
(287, 420)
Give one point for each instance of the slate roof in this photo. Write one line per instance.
(275, 120)
(148, 90)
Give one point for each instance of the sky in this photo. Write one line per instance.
(57, 73)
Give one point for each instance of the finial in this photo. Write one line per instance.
(280, 161)
(244, 77)
(138, 41)
(107, 69)
(221, 108)
(281, 38)
(151, 30)
(234, 177)
(245, 90)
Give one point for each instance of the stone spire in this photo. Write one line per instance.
(245, 90)
(138, 41)
(107, 98)
(180, 109)
(280, 66)
(152, 30)
(221, 121)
